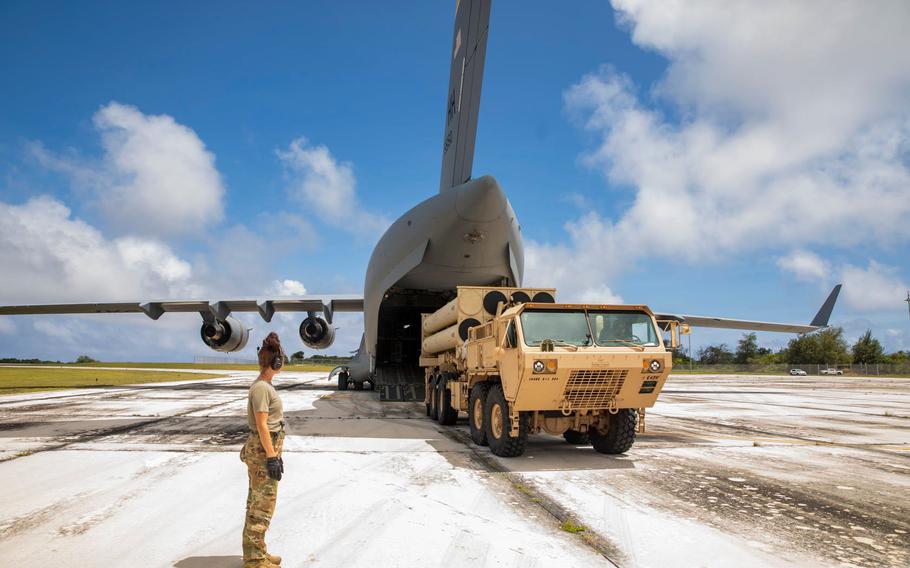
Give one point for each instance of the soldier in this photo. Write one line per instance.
(262, 455)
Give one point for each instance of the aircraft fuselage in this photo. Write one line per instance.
(466, 235)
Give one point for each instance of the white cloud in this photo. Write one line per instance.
(793, 130)
(156, 176)
(285, 288)
(805, 265)
(876, 287)
(48, 256)
(319, 181)
(580, 270)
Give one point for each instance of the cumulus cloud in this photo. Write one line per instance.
(319, 181)
(788, 119)
(49, 256)
(287, 288)
(156, 176)
(580, 269)
(805, 265)
(877, 287)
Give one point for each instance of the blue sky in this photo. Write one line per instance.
(655, 158)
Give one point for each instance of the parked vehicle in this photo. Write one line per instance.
(529, 365)
(797, 372)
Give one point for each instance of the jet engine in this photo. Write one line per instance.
(316, 333)
(226, 336)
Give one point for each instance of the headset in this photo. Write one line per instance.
(278, 360)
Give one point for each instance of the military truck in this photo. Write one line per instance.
(518, 363)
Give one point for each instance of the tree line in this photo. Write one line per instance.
(825, 347)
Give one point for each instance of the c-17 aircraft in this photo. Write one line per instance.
(465, 235)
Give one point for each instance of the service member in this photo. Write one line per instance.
(262, 455)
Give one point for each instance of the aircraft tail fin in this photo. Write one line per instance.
(824, 313)
(469, 48)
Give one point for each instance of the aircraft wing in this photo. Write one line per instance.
(208, 309)
(819, 321)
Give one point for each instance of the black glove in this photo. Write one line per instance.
(275, 468)
(281, 461)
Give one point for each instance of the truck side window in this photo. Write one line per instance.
(511, 336)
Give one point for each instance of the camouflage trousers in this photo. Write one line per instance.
(261, 497)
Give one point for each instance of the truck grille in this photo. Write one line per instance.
(593, 389)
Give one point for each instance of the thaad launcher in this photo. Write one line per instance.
(518, 363)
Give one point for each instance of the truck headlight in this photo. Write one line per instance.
(544, 366)
(653, 366)
(539, 366)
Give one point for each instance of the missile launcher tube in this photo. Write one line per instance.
(444, 340)
(441, 318)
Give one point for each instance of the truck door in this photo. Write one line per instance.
(508, 365)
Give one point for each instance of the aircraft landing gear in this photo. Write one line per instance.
(343, 378)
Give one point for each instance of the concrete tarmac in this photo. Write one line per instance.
(751, 471)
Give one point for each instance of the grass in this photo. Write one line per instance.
(35, 379)
(570, 526)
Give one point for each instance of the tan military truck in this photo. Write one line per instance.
(518, 363)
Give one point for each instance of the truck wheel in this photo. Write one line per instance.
(434, 409)
(372, 385)
(621, 434)
(476, 402)
(447, 415)
(358, 385)
(498, 428)
(343, 381)
(576, 438)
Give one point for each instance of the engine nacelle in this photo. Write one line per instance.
(316, 333)
(225, 336)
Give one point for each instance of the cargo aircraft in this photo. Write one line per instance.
(466, 234)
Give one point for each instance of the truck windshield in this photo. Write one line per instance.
(566, 327)
(623, 328)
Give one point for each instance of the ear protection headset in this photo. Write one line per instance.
(278, 360)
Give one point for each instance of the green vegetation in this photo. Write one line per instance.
(15, 380)
(812, 352)
(825, 347)
(868, 350)
(570, 526)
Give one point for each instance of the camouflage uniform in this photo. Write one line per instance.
(260, 501)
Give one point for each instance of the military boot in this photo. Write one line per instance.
(272, 558)
(264, 563)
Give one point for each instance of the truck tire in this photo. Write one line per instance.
(621, 434)
(447, 415)
(498, 428)
(576, 438)
(476, 402)
(358, 385)
(343, 380)
(434, 409)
